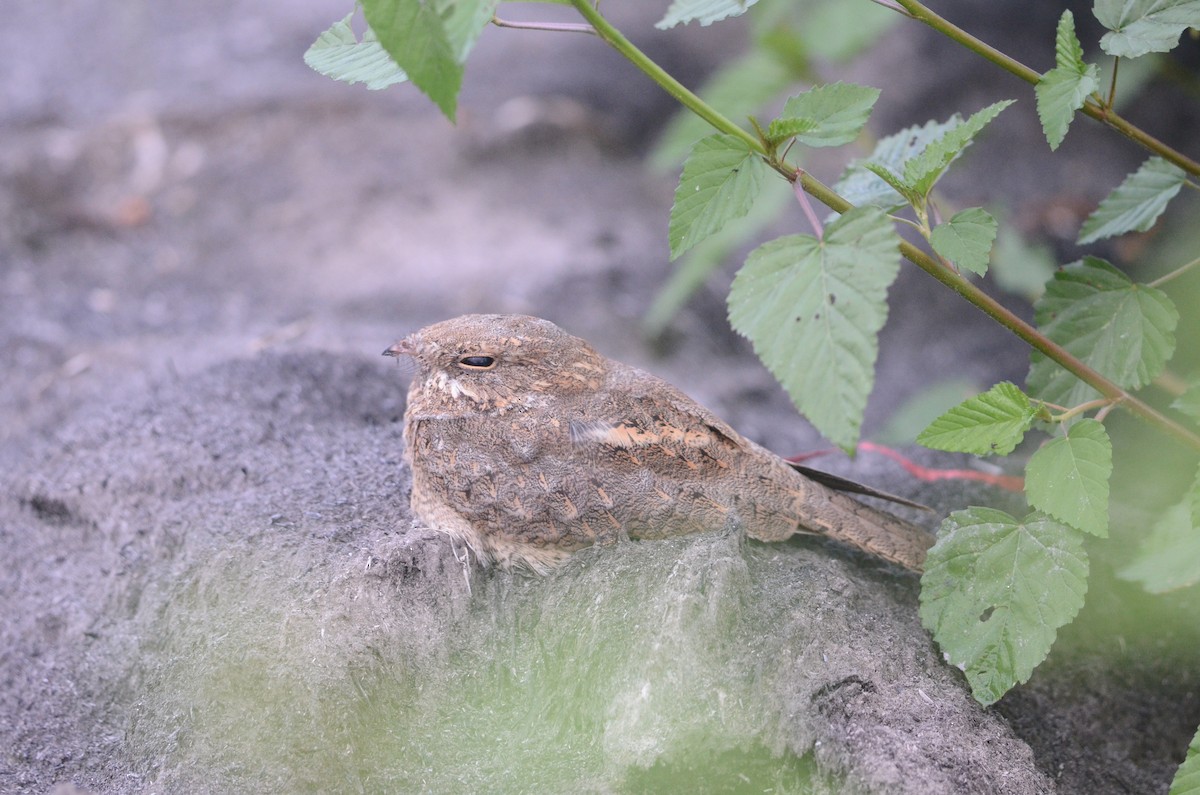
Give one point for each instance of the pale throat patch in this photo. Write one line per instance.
(483, 396)
(445, 384)
(442, 382)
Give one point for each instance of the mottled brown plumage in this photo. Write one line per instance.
(527, 444)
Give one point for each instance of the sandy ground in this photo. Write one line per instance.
(212, 582)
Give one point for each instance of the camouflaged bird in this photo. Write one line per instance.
(528, 445)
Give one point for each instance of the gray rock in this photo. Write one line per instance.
(228, 595)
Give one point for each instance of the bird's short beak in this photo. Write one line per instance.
(401, 348)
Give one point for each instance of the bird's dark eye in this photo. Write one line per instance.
(477, 362)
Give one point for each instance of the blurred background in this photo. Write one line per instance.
(177, 188)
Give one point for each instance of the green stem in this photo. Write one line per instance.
(552, 27)
(1052, 350)
(922, 14)
(891, 5)
(1182, 269)
(1097, 111)
(1081, 408)
(1144, 139)
(1112, 86)
(817, 189)
(618, 42)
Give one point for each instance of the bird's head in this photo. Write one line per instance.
(496, 362)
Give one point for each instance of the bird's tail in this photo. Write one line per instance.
(875, 531)
(802, 505)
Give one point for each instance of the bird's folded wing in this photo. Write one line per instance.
(659, 429)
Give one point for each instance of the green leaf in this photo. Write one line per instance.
(993, 422)
(860, 186)
(738, 89)
(1187, 777)
(1125, 331)
(414, 35)
(896, 183)
(995, 591)
(1189, 401)
(1141, 26)
(1068, 477)
(1136, 203)
(1068, 54)
(698, 264)
(1169, 558)
(338, 53)
(705, 12)
(813, 309)
(782, 129)
(464, 20)
(923, 171)
(719, 182)
(829, 115)
(966, 239)
(920, 154)
(1063, 89)
(919, 411)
